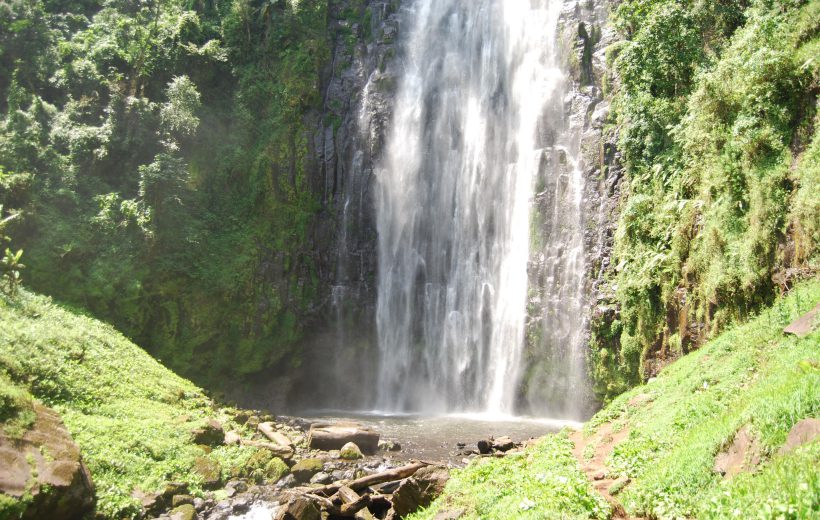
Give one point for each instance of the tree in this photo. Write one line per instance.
(10, 265)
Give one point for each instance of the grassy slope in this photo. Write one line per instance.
(750, 375)
(131, 416)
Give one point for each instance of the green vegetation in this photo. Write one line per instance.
(717, 114)
(132, 417)
(543, 483)
(157, 155)
(750, 376)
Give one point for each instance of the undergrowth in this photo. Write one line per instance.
(751, 376)
(131, 417)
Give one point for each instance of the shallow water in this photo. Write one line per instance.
(429, 438)
(436, 438)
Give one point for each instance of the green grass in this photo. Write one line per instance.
(131, 416)
(753, 376)
(546, 482)
(750, 376)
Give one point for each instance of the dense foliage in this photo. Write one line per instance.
(716, 106)
(157, 151)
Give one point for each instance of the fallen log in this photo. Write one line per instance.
(285, 452)
(325, 436)
(377, 478)
(268, 429)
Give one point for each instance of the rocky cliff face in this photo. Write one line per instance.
(580, 156)
(340, 350)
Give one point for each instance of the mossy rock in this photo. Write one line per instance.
(351, 451)
(275, 469)
(210, 471)
(255, 467)
(183, 512)
(306, 468)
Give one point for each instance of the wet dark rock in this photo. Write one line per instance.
(299, 508)
(485, 447)
(212, 434)
(179, 500)
(183, 512)
(239, 486)
(306, 468)
(420, 490)
(288, 481)
(241, 504)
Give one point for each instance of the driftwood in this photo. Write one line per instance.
(284, 452)
(377, 478)
(268, 429)
(324, 436)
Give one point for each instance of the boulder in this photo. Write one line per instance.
(232, 437)
(211, 434)
(184, 512)
(420, 490)
(45, 464)
(209, 470)
(150, 502)
(325, 436)
(804, 325)
(803, 432)
(503, 444)
(275, 469)
(299, 508)
(305, 469)
(174, 488)
(742, 455)
(485, 446)
(350, 452)
(321, 478)
(181, 500)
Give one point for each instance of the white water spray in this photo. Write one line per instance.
(454, 198)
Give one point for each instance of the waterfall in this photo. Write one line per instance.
(473, 120)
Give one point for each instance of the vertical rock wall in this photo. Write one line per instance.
(339, 349)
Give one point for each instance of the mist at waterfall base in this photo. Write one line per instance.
(478, 203)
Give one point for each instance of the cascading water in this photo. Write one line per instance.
(471, 121)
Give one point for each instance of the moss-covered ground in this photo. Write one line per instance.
(751, 376)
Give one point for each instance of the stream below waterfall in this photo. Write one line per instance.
(437, 438)
(449, 440)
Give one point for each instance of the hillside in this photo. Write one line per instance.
(655, 447)
(132, 417)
